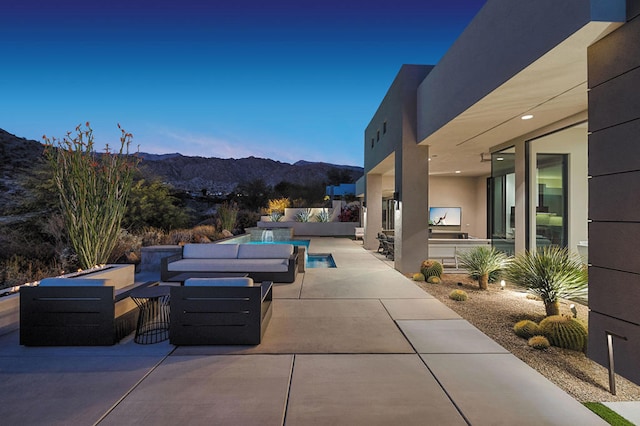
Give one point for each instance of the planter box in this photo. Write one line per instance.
(324, 229)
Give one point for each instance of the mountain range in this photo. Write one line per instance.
(216, 175)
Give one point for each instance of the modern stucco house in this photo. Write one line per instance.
(530, 124)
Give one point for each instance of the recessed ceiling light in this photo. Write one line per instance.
(458, 171)
(527, 117)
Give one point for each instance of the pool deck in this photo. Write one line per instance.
(359, 344)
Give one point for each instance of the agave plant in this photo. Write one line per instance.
(482, 262)
(552, 273)
(304, 215)
(275, 216)
(323, 216)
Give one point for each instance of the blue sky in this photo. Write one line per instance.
(279, 79)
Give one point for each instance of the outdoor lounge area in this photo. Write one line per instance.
(355, 344)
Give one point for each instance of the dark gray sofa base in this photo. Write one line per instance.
(220, 315)
(74, 316)
(277, 277)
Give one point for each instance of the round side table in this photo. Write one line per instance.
(153, 317)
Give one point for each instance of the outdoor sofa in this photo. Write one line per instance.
(261, 262)
(77, 312)
(220, 311)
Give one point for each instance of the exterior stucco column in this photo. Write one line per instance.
(412, 219)
(373, 214)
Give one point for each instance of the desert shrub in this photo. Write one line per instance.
(93, 190)
(481, 262)
(152, 204)
(538, 342)
(18, 270)
(458, 295)
(526, 329)
(564, 332)
(278, 205)
(127, 248)
(204, 234)
(247, 219)
(418, 277)
(180, 236)
(228, 215)
(550, 272)
(434, 280)
(431, 268)
(350, 213)
(153, 237)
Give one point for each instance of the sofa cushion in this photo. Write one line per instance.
(206, 251)
(265, 251)
(229, 265)
(74, 282)
(220, 282)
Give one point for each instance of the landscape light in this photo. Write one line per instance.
(574, 311)
(502, 284)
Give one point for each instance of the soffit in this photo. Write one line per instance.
(552, 88)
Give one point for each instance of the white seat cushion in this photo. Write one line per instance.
(229, 265)
(265, 251)
(210, 251)
(220, 282)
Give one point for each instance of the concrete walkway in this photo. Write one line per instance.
(356, 345)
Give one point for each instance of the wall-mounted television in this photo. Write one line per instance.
(445, 216)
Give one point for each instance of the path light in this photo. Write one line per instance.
(574, 311)
(502, 284)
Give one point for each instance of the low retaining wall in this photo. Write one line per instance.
(317, 229)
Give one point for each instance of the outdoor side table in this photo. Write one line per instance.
(153, 317)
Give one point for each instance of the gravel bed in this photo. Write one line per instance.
(495, 311)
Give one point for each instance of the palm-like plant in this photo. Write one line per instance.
(482, 261)
(552, 273)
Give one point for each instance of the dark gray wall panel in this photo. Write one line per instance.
(615, 197)
(615, 245)
(614, 55)
(615, 293)
(633, 9)
(626, 352)
(615, 101)
(615, 150)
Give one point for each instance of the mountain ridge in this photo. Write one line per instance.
(185, 173)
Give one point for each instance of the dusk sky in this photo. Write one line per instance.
(274, 79)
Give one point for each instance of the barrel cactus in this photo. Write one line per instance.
(418, 277)
(538, 342)
(564, 332)
(459, 295)
(431, 268)
(526, 329)
(434, 280)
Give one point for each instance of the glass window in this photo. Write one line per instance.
(502, 196)
(551, 200)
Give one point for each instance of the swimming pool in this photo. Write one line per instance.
(320, 261)
(311, 260)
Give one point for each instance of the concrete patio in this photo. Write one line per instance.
(356, 345)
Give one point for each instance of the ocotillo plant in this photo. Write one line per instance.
(93, 190)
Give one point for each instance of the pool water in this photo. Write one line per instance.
(311, 260)
(320, 261)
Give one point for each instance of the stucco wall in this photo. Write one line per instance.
(469, 193)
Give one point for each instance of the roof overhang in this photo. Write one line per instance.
(551, 88)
